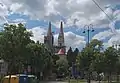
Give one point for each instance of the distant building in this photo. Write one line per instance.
(60, 48)
(3, 67)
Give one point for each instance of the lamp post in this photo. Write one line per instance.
(88, 29)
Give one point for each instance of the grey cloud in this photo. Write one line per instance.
(55, 10)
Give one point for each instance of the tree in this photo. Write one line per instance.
(55, 58)
(13, 41)
(99, 64)
(62, 67)
(74, 55)
(96, 42)
(87, 56)
(118, 65)
(84, 61)
(40, 58)
(111, 58)
(117, 70)
(70, 57)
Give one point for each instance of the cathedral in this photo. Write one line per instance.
(60, 48)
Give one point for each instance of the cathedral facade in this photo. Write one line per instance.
(60, 48)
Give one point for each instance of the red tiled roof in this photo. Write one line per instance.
(61, 51)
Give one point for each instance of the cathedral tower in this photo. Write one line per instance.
(49, 39)
(61, 43)
(61, 36)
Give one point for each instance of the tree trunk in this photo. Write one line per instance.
(117, 77)
(110, 78)
(77, 79)
(9, 80)
(9, 75)
(89, 78)
(69, 77)
(99, 77)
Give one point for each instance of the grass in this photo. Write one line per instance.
(76, 81)
(79, 81)
(112, 82)
(84, 81)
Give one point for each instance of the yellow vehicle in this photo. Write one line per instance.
(14, 79)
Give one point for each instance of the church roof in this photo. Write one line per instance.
(61, 51)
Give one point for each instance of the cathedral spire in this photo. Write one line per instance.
(61, 35)
(49, 39)
(61, 28)
(49, 30)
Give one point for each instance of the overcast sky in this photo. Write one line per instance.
(75, 14)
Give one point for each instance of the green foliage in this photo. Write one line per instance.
(13, 40)
(39, 57)
(19, 51)
(96, 44)
(111, 58)
(55, 58)
(75, 54)
(93, 58)
(88, 54)
(85, 58)
(69, 56)
(99, 63)
(62, 66)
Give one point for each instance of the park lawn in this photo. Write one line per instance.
(77, 81)
(113, 82)
(84, 81)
